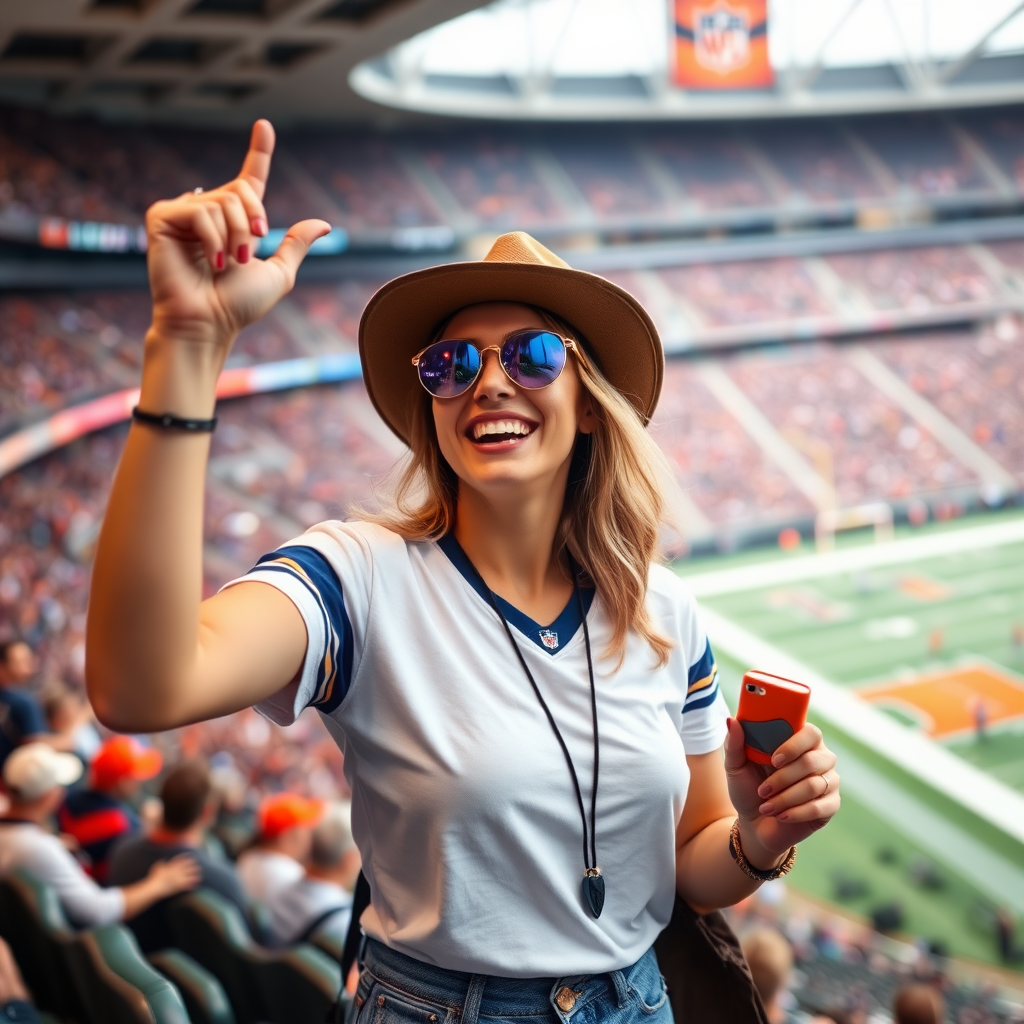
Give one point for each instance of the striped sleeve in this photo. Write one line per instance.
(305, 575)
(701, 682)
(704, 710)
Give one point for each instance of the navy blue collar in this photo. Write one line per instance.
(548, 638)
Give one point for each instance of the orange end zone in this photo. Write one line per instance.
(948, 702)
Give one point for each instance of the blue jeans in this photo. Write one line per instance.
(396, 989)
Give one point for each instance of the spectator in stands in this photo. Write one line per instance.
(770, 958)
(918, 1004)
(188, 808)
(282, 845)
(21, 716)
(1006, 935)
(35, 776)
(235, 822)
(321, 900)
(15, 1005)
(101, 813)
(68, 713)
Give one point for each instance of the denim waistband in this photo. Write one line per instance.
(473, 995)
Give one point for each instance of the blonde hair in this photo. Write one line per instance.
(613, 504)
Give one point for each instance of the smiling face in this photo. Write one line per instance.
(498, 435)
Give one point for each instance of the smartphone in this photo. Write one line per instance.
(771, 709)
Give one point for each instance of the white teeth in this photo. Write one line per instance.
(501, 427)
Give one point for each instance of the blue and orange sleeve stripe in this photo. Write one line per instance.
(702, 682)
(334, 673)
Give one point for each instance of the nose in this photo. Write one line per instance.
(493, 383)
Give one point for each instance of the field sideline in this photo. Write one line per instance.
(928, 626)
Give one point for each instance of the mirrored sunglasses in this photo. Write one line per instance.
(531, 359)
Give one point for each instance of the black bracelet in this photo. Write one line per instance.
(168, 421)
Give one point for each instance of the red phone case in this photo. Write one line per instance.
(771, 717)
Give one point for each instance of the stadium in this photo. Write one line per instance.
(821, 207)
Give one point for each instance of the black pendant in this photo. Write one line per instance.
(593, 893)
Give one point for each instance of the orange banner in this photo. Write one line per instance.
(721, 45)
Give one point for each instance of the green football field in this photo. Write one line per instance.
(930, 629)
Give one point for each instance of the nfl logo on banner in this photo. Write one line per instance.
(549, 639)
(721, 39)
(722, 45)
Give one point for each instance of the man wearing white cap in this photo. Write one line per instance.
(35, 776)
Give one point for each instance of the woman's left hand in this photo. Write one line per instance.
(783, 803)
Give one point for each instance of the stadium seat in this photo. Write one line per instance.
(119, 986)
(95, 977)
(203, 994)
(291, 986)
(327, 943)
(43, 943)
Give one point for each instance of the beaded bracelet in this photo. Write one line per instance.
(747, 868)
(168, 421)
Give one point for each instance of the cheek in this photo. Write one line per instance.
(446, 419)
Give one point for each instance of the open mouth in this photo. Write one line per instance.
(495, 432)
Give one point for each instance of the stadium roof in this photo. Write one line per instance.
(347, 60)
(580, 59)
(203, 60)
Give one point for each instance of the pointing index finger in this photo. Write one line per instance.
(256, 168)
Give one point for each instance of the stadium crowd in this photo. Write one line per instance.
(83, 169)
(976, 380)
(64, 347)
(860, 439)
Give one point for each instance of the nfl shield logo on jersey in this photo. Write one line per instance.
(721, 38)
(549, 639)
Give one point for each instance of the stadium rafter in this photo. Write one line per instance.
(219, 61)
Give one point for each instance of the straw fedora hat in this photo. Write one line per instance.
(403, 316)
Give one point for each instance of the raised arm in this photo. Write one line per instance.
(156, 656)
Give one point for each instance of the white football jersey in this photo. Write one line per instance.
(462, 803)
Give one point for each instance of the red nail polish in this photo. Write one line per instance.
(243, 254)
(220, 261)
(259, 226)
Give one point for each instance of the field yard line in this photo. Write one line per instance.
(958, 850)
(895, 552)
(916, 754)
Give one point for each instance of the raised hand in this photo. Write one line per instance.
(781, 804)
(205, 281)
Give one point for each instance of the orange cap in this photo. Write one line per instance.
(283, 811)
(124, 757)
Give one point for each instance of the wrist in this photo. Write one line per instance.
(757, 854)
(179, 376)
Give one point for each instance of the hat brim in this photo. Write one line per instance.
(401, 317)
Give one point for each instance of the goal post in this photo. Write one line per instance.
(828, 523)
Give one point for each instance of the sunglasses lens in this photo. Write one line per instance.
(533, 359)
(449, 367)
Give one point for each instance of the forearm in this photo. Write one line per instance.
(706, 875)
(143, 623)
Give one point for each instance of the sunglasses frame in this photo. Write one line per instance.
(570, 346)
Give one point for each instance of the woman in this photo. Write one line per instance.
(528, 707)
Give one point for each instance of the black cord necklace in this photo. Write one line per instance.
(593, 881)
